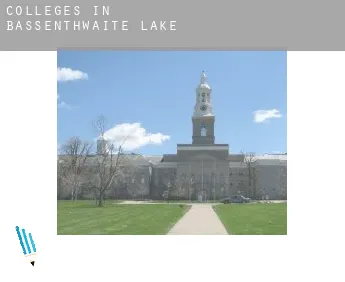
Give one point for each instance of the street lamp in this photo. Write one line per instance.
(169, 185)
(214, 186)
(191, 181)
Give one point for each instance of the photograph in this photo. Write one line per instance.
(171, 142)
(141, 119)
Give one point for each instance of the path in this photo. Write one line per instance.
(199, 220)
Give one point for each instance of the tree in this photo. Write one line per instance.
(110, 164)
(249, 159)
(283, 182)
(171, 186)
(178, 183)
(72, 163)
(99, 125)
(60, 177)
(142, 185)
(167, 191)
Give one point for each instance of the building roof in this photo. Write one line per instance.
(153, 159)
(133, 159)
(167, 165)
(234, 159)
(273, 157)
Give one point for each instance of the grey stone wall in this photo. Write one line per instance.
(271, 181)
(208, 121)
(213, 177)
(133, 186)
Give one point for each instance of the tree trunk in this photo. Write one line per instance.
(100, 198)
(73, 196)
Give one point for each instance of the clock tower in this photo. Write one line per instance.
(203, 118)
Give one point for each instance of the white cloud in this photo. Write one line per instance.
(263, 115)
(62, 104)
(133, 136)
(67, 74)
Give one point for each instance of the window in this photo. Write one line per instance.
(203, 130)
(192, 177)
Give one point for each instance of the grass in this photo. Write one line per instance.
(184, 201)
(84, 218)
(254, 219)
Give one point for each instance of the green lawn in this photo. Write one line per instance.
(182, 201)
(254, 219)
(84, 218)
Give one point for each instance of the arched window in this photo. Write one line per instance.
(203, 130)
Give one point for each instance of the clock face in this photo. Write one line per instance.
(203, 108)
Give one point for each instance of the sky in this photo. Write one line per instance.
(149, 97)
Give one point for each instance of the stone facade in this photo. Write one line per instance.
(202, 170)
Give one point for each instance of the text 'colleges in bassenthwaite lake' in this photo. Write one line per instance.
(66, 18)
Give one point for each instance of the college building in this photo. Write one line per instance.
(202, 170)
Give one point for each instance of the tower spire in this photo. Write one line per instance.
(203, 103)
(203, 118)
(203, 79)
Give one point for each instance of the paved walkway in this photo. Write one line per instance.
(199, 220)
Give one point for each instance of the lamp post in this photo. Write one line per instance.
(202, 180)
(169, 185)
(191, 181)
(214, 181)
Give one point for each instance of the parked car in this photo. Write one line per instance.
(235, 199)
